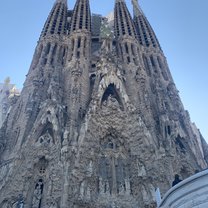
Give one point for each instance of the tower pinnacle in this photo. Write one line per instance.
(145, 32)
(99, 122)
(123, 22)
(81, 18)
(57, 19)
(136, 8)
(61, 1)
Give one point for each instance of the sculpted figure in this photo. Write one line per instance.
(51, 203)
(45, 140)
(37, 195)
(101, 186)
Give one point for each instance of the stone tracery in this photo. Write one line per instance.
(114, 173)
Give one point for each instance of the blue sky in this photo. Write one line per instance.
(180, 25)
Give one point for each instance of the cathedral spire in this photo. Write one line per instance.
(56, 22)
(144, 30)
(136, 8)
(61, 1)
(48, 52)
(123, 21)
(81, 18)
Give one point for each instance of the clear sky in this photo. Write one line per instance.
(180, 25)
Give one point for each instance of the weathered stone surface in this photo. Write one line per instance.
(99, 122)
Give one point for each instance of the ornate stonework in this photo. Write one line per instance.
(99, 122)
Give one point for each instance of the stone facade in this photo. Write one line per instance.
(99, 122)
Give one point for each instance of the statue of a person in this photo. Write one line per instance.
(37, 195)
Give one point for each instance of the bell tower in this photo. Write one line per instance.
(99, 122)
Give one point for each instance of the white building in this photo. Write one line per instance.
(190, 193)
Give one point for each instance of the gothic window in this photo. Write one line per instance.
(53, 54)
(126, 47)
(85, 46)
(54, 50)
(45, 139)
(45, 61)
(114, 172)
(47, 48)
(42, 170)
(179, 143)
(133, 50)
(78, 54)
(92, 81)
(152, 61)
(72, 44)
(128, 59)
(167, 130)
(146, 64)
(41, 166)
(79, 42)
(111, 95)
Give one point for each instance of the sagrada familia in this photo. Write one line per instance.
(99, 122)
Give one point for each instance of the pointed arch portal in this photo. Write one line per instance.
(112, 91)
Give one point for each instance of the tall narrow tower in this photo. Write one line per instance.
(99, 122)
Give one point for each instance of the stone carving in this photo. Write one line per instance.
(45, 140)
(37, 194)
(127, 186)
(51, 203)
(141, 169)
(5, 171)
(91, 126)
(85, 191)
(113, 169)
(19, 203)
(90, 169)
(104, 188)
(112, 103)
